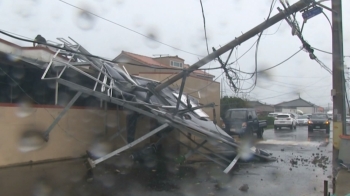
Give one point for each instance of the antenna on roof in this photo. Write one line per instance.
(160, 55)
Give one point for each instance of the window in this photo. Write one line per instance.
(176, 64)
(254, 115)
(238, 114)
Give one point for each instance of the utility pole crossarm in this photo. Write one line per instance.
(237, 41)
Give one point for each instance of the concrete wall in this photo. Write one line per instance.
(77, 131)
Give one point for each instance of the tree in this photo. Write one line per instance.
(230, 103)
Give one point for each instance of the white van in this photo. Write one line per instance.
(330, 114)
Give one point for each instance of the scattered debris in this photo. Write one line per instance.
(244, 187)
(217, 187)
(294, 162)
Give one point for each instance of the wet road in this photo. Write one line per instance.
(303, 163)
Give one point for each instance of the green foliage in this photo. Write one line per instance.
(269, 120)
(231, 103)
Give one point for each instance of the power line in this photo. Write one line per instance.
(207, 84)
(284, 76)
(205, 29)
(293, 92)
(149, 37)
(271, 66)
(329, 21)
(281, 62)
(327, 51)
(278, 28)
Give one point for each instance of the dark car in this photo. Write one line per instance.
(318, 121)
(243, 121)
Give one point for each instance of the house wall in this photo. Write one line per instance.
(76, 132)
(166, 60)
(307, 110)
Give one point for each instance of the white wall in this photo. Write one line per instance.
(307, 110)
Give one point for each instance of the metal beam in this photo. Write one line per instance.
(190, 153)
(204, 155)
(237, 41)
(181, 91)
(228, 168)
(176, 123)
(93, 163)
(63, 112)
(215, 154)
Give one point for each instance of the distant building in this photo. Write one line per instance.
(298, 104)
(261, 108)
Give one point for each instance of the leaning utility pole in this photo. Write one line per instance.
(237, 41)
(338, 91)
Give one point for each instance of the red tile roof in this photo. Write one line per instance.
(144, 59)
(150, 61)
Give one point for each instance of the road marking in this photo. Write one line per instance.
(290, 143)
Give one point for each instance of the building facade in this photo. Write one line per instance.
(199, 84)
(298, 104)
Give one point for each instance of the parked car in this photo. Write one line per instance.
(319, 121)
(302, 120)
(243, 121)
(285, 120)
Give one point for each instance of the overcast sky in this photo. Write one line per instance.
(180, 25)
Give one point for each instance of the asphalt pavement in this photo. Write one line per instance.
(303, 163)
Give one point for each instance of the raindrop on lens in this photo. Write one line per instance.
(31, 140)
(85, 20)
(151, 39)
(24, 109)
(100, 149)
(42, 189)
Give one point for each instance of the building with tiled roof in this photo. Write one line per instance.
(199, 84)
(298, 104)
(159, 64)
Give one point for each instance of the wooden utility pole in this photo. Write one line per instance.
(338, 91)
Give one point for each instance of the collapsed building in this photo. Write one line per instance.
(107, 84)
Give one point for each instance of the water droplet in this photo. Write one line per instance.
(24, 9)
(100, 148)
(4, 70)
(31, 140)
(107, 180)
(51, 84)
(15, 55)
(42, 188)
(85, 20)
(18, 72)
(112, 123)
(245, 150)
(119, 2)
(152, 36)
(24, 109)
(63, 99)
